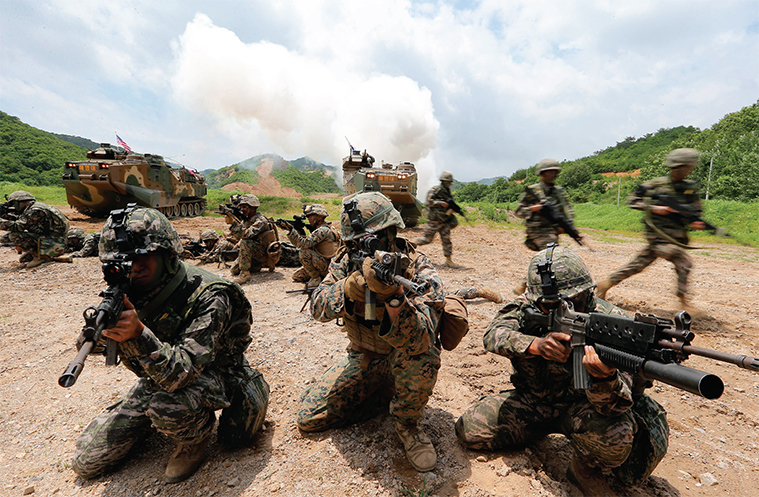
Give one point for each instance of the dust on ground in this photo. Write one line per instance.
(41, 315)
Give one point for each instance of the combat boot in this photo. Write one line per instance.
(26, 257)
(449, 262)
(235, 269)
(185, 461)
(243, 278)
(37, 261)
(685, 306)
(64, 258)
(520, 288)
(419, 450)
(491, 295)
(603, 287)
(419, 241)
(591, 481)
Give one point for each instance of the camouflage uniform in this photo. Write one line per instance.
(89, 247)
(663, 233)
(540, 232)
(189, 358)
(438, 221)
(390, 360)
(612, 425)
(253, 251)
(223, 244)
(75, 239)
(39, 229)
(316, 251)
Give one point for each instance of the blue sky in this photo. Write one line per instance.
(477, 88)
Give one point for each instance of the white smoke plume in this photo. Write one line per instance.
(263, 95)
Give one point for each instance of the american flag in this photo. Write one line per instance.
(123, 144)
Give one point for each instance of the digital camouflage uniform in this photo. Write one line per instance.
(316, 251)
(40, 229)
(253, 254)
(613, 425)
(89, 247)
(75, 239)
(663, 233)
(540, 231)
(437, 219)
(189, 360)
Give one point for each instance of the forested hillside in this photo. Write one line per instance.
(730, 147)
(31, 156)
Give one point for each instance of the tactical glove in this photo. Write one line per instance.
(355, 287)
(382, 290)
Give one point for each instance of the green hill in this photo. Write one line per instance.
(31, 156)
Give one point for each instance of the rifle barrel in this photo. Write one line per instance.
(707, 385)
(740, 360)
(75, 367)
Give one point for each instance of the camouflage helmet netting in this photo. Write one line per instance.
(76, 233)
(682, 157)
(249, 199)
(148, 229)
(446, 176)
(317, 209)
(209, 234)
(547, 165)
(376, 210)
(572, 275)
(20, 196)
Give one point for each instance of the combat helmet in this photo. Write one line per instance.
(547, 165)
(446, 176)
(368, 212)
(19, 196)
(137, 231)
(572, 275)
(208, 234)
(75, 234)
(250, 200)
(317, 209)
(681, 157)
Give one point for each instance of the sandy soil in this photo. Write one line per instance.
(41, 315)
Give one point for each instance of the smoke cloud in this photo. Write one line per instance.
(263, 95)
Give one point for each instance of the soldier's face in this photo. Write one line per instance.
(549, 177)
(679, 173)
(248, 210)
(146, 270)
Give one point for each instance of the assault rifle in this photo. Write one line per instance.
(97, 319)
(232, 207)
(649, 346)
(454, 207)
(194, 247)
(388, 266)
(8, 211)
(686, 212)
(306, 290)
(300, 223)
(553, 212)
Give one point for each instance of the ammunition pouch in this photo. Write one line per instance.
(270, 240)
(363, 337)
(454, 322)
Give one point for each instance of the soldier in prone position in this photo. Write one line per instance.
(315, 249)
(612, 426)
(38, 231)
(391, 360)
(186, 345)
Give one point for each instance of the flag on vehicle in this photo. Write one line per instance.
(123, 144)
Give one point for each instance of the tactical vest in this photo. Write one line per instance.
(328, 247)
(169, 312)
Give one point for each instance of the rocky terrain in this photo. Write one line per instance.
(714, 444)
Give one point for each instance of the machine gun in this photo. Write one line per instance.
(686, 212)
(388, 266)
(306, 290)
(194, 247)
(649, 346)
(454, 207)
(299, 223)
(553, 212)
(96, 319)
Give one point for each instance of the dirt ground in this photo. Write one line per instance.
(714, 444)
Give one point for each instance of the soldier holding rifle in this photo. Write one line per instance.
(441, 217)
(390, 313)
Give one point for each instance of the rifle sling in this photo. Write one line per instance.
(164, 294)
(668, 238)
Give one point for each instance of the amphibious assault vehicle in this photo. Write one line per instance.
(110, 180)
(398, 183)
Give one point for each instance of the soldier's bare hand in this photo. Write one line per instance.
(698, 225)
(444, 204)
(553, 347)
(128, 326)
(662, 210)
(536, 207)
(594, 365)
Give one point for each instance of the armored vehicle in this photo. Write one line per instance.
(110, 180)
(398, 183)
